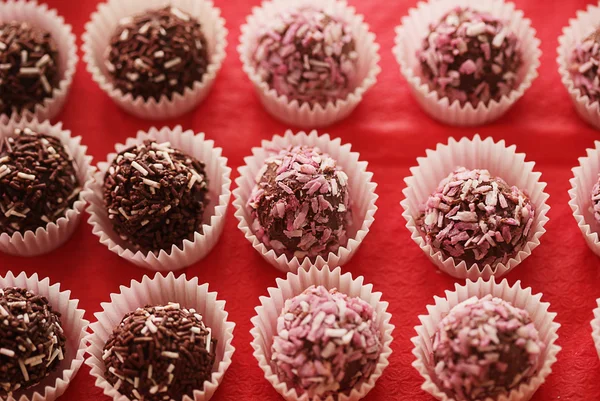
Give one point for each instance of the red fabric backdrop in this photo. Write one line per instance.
(390, 132)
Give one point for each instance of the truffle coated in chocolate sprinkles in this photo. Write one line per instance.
(596, 201)
(160, 353)
(477, 218)
(29, 70)
(38, 181)
(32, 341)
(155, 196)
(159, 52)
(583, 66)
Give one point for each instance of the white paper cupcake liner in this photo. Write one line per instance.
(53, 235)
(501, 161)
(265, 324)
(303, 115)
(585, 177)
(362, 194)
(415, 27)
(518, 297)
(104, 22)
(74, 326)
(579, 28)
(219, 184)
(596, 327)
(161, 290)
(48, 20)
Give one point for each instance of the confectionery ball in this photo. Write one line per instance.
(160, 52)
(29, 66)
(32, 341)
(38, 181)
(470, 57)
(301, 203)
(327, 343)
(596, 201)
(485, 348)
(155, 196)
(307, 55)
(160, 353)
(477, 218)
(583, 66)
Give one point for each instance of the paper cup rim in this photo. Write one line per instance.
(484, 287)
(149, 259)
(282, 262)
(328, 278)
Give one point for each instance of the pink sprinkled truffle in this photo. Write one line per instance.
(307, 55)
(470, 57)
(596, 201)
(583, 66)
(301, 203)
(477, 218)
(485, 348)
(327, 343)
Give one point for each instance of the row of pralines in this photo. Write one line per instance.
(302, 53)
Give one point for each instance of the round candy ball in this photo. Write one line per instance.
(160, 52)
(29, 66)
(485, 348)
(155, 196)
(327, 343)
(477, 218)
(32, 340)
(470, 57)
(38, 181)
(301, 203)
(596, 201)
(160, 353)
(307, 55)
(583, 66)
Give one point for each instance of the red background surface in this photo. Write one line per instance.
(390, 132)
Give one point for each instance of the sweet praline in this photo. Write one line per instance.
(583, 66)
(470, 57)
(327, 343)
(485, 347)
(477, 218)
(301, 203)
(160, 353)
(596, 201)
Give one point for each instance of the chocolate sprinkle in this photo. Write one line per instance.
(160, 52)
(583, 66)
(38, 181)
(596, 201)
(307, 55)
(485, 348)
(477, 218)
(32, 341)
(471, 57)
(160, 353)
(155, 196)
(28, 67)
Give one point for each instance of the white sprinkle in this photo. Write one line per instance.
(144, 28)
(208, 339)
(192, 182)
(476, 29)
(151, 183)
(171, 368)
(169, 354)
(136, 382)
(118, 384)
(29, 71)
(34, 360)
(23, 370)
(3, 311)
(151, 326)
(159, 54)
(42, 61)
(124, 35)
(139, 168)
(24, 176)
(149, 371)
(178, 13)
(7, 352)
(195, 330)
(122, 211)
(172, 63)
(6, 171)
(45, 83)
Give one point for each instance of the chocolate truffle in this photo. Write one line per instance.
(155, 196)
(32, 341)
(29, 67)
(160, 353)
(160, 52)
(38, 181)
(471, 57)
(327, 343)
(485, 348)
(301, 203)
(583, 66)
(477, 218)
(596, 201)
(307, 55)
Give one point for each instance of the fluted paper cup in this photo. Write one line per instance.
(75, 329)
(585, 176)
(53, 235)
(409, 39)
(291, 111)
(104, 22)
(219, 184)
(362, 195)
(161, 290)
(596, 327)
(265, 324)
(501, 161)
(518, 297)
(40, 16)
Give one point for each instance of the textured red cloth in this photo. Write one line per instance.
(390, 131)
